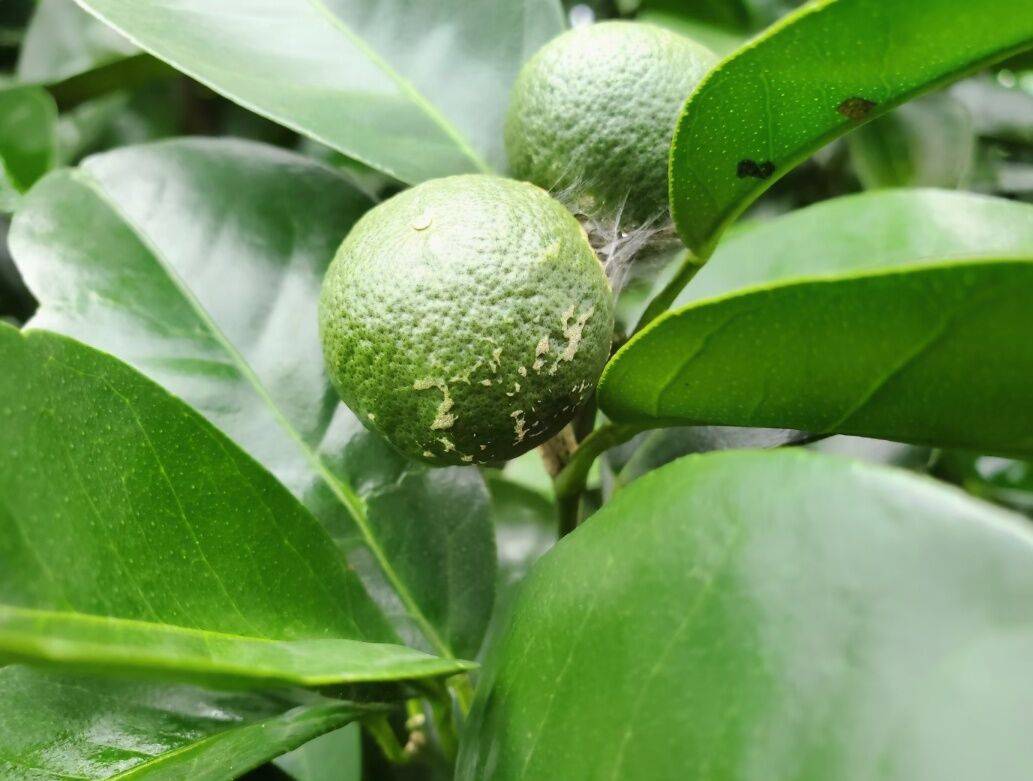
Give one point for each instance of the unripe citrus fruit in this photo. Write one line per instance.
(592, 114)
(466, 319)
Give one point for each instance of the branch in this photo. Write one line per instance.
(570, 482)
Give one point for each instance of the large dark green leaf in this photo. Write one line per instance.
(416, 90)
(756, 616)
(200, 262)
(900, 315)
(63, 727)
(136, 537)
(813, 76)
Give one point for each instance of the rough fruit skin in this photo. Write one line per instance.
(592, 114)
(466, 319)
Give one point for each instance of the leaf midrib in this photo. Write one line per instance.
(345, 494)
(404, 85)
(410, 91)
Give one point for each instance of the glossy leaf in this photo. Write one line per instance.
(894, 359)
(758, 616)
(525, 527)
(63, 41)
(77, 57)
(864, 232)
(416, 90)
(876, 334)
(815, 75)
(28, 121)
(64, 727)
(199, 262)
(927, 143)
(336, 756)
(136, 537)
(101, 644)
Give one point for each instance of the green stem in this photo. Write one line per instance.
(570, 482)
(689, 267)
(380, 728)
(569, 508)
(444, 724)
(462, 688)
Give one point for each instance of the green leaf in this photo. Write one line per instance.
(199, 262)
(97, 643)
(722, 26)
(876, 335)
(718, 39)
(416, 90)
(336, 756)
(63, 41)
(78, 57)
(134, 537)
(28, 122)
(927, 143)
(729, 14)
(525, 523)
(866, 232)
(768, 616)
(63, 727)
(815, 75)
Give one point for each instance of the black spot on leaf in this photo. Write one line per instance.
(755, 169)
(856, 108)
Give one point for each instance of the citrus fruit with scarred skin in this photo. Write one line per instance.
(592, 114)
(466, 319)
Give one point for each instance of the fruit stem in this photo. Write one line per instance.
(379, 727)
(557, 451)
(570, 482)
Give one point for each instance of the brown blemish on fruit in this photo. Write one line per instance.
(542, 348)
(573, 330)
(756, 170)
(443, 418)
(856, 108)
(519, 426)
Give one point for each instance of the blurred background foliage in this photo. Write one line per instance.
(70, 87)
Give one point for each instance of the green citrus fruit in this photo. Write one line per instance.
(592, 115)
(466, 319)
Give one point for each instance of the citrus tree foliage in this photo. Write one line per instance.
(687, 420)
